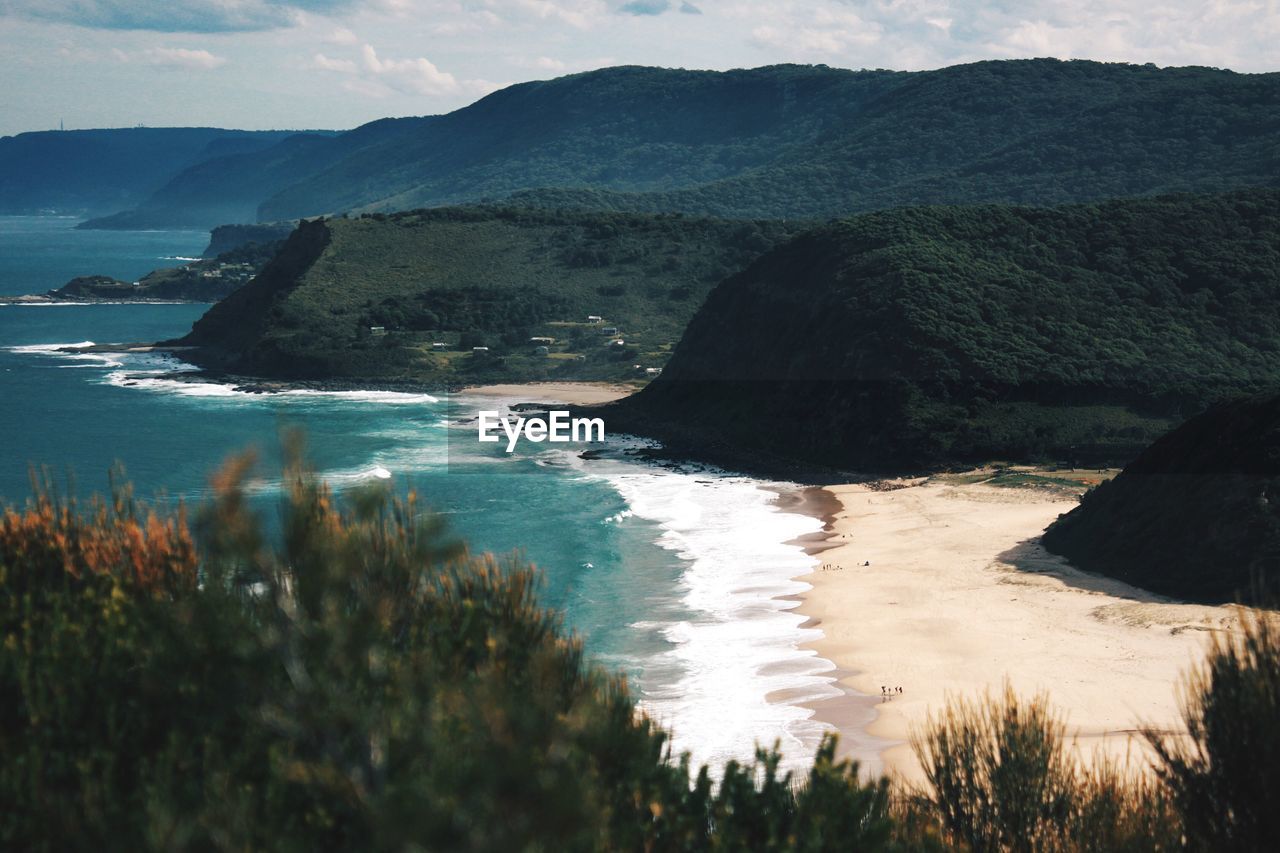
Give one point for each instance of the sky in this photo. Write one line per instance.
(295, 64)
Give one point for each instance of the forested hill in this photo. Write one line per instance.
(924, 337)
(100, 171)
(410, 297)
(780, 141)
(1197, 515)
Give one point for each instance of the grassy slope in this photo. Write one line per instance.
(930, 336)
(471, 277)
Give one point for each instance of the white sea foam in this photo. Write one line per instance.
(737, 673)
(50, 349)
(4, 304)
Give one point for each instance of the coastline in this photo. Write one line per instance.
(572, 393)
(959, 598)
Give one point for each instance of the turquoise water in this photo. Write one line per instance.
(671, 576)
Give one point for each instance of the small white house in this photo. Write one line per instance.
(439, 345)
(609, 330)
(480, 350)
(593, 318)
(616, 344)
(545, 342)
(653, 371)
(377, 331)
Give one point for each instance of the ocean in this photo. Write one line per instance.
(675, 577)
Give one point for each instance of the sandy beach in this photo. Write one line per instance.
(574, 393)
(959, 596)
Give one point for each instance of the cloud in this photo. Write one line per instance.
(173, 16)
(579, 14)
(917, 34)
(645, 7)
(342, 35)
(373, 76)
(560, 66)
(324, 63)
(419, 75)
(657, 7)
(173, 58)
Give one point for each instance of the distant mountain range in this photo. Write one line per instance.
(781, 141)
(88, 172)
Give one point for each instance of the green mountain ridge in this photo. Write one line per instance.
(369, 298)
(780, 141)
(922, 338)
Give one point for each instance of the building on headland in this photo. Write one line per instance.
(480, 350)
(377, 331)
(653, 371)
(609, 330)
(439, 345)
(546, 342)
(594, 318)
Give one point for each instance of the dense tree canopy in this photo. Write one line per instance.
(927, 336)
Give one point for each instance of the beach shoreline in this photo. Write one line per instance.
(959, 599)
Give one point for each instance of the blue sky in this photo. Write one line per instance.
(338, 63)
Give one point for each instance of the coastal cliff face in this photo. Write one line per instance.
(459, 295)
(921, 338)
(229, 238)
(1195, 516)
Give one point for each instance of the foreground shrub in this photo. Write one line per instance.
(358, 681)
(1001, 779)
(1226, 779)
(998, 774)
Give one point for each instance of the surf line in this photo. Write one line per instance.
(559, 426)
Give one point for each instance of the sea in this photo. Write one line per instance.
(678, 577)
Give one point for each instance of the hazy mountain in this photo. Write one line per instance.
(99, 171)
(780, 141)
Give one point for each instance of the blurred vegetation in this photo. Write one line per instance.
(367, 298)
(362, 681)
(1001, 778)
(925, 337)
(1224, 779)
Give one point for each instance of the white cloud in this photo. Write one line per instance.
(173, 16)
(324, 63)
(411, 75)
(181, 58)
(376, 77)
(342, 35)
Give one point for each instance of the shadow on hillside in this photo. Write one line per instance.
(1030, 557)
